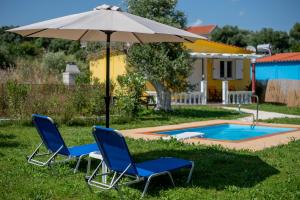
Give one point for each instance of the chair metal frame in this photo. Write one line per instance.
(115, 179)
(117, 176)
(52, 155)
(31, 159)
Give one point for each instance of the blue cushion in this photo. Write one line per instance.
(147, 168)
(49, 134)
(77, 151)
(114, 150)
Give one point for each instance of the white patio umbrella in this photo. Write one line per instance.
(106, 23)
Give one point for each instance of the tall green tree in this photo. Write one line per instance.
(278, 39)
(165, 65)
(295, 37)
(231, 35)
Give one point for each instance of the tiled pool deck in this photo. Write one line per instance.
(254, 144)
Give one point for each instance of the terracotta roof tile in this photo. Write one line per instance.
(201, 30)
(281, 57)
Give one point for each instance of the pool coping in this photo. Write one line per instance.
(255, 143)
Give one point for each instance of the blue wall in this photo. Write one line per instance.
(277, 70)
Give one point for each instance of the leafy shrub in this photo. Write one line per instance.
(55, 61)
(3, 100)
(132, 86)
(6, 60)
(68, 113)
(26, 49)
(57, 45)
(16, 95)
(260, 89)
(80, 99)
(97, 102)
(89, 99)
(63, 103)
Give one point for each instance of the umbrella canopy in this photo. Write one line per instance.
(92, 25)
(106, 23)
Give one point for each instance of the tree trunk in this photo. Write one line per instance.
(163, 97)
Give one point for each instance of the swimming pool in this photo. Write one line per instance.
(230, 131)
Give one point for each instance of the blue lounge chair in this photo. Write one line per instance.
(116, 156)
(55, 144)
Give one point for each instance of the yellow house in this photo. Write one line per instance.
(117, 67)
(213, 63)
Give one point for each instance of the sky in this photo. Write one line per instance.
(247, 14)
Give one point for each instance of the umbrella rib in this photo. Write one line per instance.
(135, 35)
(28, 35)
(85, 32)
(184, 38)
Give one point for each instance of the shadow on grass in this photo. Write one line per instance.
(213, 169)
(5, 140)
(188, 112)
(7, 136)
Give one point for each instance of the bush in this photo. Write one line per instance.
(80, 99)
(132, 86)
(16, 96)
(26, 49)
(63, 103)
(6, 60)
(55, 61)
(97, 102)
(260, 89)
(3, 100)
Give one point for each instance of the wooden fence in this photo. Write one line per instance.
(283, 91)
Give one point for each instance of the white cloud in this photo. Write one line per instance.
(242, 13)
(197, 22)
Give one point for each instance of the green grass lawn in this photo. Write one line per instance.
(275, 108)
(219, 174)
(180, 114)
(283, 121)
(150, 118)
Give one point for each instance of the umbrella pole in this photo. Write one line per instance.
(107, 92)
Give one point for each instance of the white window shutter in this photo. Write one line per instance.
(239, 69)
(216, 69)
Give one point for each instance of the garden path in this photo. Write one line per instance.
(262, 115)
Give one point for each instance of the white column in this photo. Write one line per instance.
(203, 91)
(225, 92)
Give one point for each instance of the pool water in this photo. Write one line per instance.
(230, 131)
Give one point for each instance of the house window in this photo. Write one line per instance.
(226, 69)
(222, 69)
(229, 69)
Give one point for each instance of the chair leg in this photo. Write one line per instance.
(154, 175)
(190, 174)
(77, 164)
(88, 168)
(170, 175)
(34, 152)
(104, 170)
(146, 187)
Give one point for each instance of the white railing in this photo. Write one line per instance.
(184, 98)
(239, 97)
(188, 98)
